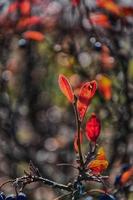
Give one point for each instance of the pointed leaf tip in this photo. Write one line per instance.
(85, 96)
(66, 88)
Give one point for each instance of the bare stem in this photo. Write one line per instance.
(78, 124)
(52, 183)
(3, 184)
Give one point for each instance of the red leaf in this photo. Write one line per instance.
(66, 88)
(25, 7)
(99, 19)
(75, 2)
(85, 96)
(13, 7)
(76, 141)
(33, 35)
(127, 11)
(93, 128)
(28, 21)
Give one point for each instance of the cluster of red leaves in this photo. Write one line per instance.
(93, 125)
(23, 6)
(85, 96)
(25, 21)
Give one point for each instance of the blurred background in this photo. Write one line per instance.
(84, 40)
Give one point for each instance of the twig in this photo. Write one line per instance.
(67, 164)
(78, 124)
(3, 184)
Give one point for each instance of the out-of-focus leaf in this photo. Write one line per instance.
(126, 176)
(28, 21)
(75, 2)
(99, 19)
(110, 6)
(13, 7)
(33, 35)
(127, 11)
(105, 86)
(25, 7)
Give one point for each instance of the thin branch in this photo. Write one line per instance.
(3, 184)
(78, 124)
(67, 164)
(30, 179)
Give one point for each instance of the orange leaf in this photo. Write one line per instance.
(110, 6)
(104, 86)
(76, 141)
(98, 166)
(66, 88)
(126, 176)
(33, 35)
(85, 96)
(101, 154)
(99, 19)
(100, 163)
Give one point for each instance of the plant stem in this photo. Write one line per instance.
(78, 124)
(32, 179)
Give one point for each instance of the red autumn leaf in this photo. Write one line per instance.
(25, 7)
(110, 6)
(66, 88)
(127, 11)
(28, 21)
(99, 19)
(13, 7)
(93, 128)
(33, 35)
(99, 164)
(75, 2)
(76, 141)
(85, 96)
